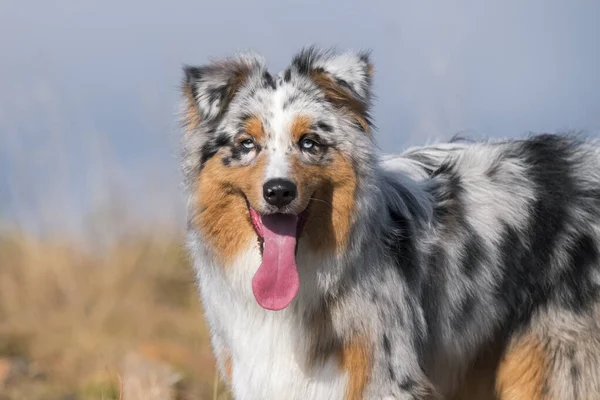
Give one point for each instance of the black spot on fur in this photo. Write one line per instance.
(420, 333)
(450, 218)
(287, 76)
(528, 255)
(217, 94)
(425, 163)
(493, 170)
(575, 373)
(432, 290)
(289, 101)
(391, 372)
(192, 76)
(237, 152)
(401, 246)
(303, 62)
(464, 313)
(575, 377)
(387, 348)
(268, 80)
(399, 314)
(222, 140)
(212, 146)
(473, 256)
(517, 278)
(545, 388)
(580, 288)
(364, 57)
(324, 126)
(449, 210)
(347, 86)
(192, 73)
(407, 384)
(399, 237)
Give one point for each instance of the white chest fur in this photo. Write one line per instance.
(267, 349)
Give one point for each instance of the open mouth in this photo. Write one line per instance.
(275, 284)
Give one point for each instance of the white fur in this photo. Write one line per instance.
(278, 129)
(266, 347)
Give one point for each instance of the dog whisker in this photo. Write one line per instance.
(322, 201)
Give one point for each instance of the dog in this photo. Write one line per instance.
(329, 271)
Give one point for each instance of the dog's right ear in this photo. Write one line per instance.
(344, 78)
(209, 89)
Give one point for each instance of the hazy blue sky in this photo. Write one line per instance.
(88, 89)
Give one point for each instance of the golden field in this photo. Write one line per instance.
(70, 318)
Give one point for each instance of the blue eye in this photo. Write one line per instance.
(248, 143)
(307, 144)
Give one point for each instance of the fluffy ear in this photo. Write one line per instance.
(344, 78)
(209, 89)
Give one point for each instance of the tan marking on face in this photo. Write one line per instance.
(355, 360)
(332, 188)
(222, 215)
(254, 128)
(339, 96)
(522, 371)
(300, 126)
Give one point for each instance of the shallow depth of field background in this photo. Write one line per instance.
(92, 269)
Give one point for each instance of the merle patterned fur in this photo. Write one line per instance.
(455, 247)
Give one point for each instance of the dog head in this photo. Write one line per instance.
(276, 158)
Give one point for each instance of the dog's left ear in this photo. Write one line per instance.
(344, 78)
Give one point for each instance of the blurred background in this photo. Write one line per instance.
(94, 282)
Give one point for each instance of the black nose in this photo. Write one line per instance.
(279, 192)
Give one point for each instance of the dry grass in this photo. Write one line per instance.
(68, 317)
(74, 307)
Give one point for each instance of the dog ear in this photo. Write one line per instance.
(344, 78)
(209, 89)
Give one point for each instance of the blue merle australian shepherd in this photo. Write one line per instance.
(464, 270)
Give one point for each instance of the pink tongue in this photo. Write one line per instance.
(276, 282)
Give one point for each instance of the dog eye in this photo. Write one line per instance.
(308, 144)
(248, 143)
